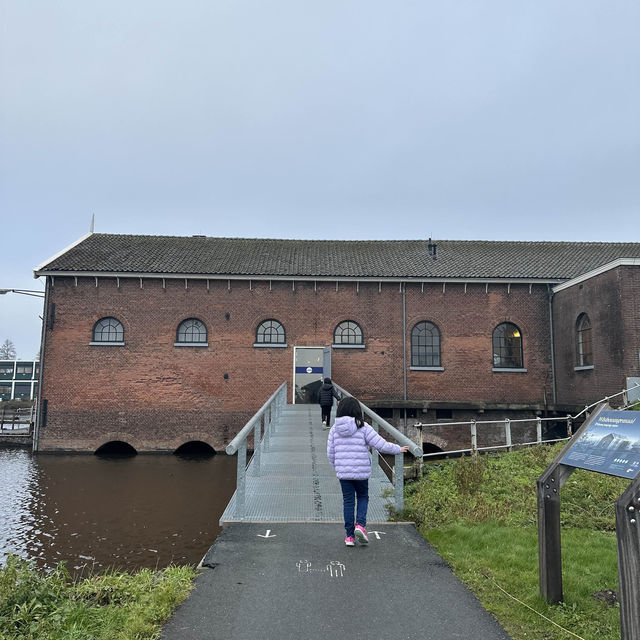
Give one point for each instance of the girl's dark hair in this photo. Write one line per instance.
(350, 407)
(327, 380)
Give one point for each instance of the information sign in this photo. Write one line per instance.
(610, 444)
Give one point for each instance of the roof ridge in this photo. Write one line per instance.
(390, 240)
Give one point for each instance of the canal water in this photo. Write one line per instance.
(97, 512)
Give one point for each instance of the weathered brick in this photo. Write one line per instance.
(156, 396)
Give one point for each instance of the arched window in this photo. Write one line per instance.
(270, 332)
(348, 333)
(425, 345)
(584, 350)
(108, 330)
(191, 331)
(507, 347)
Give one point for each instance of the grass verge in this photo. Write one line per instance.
(116, 606)
(480, 515)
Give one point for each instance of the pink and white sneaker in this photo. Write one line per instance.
(361, 535)
(349, 541)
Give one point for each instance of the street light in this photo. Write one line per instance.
(24, 292)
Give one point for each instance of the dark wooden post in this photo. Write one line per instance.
(628, 534)
(549, 540)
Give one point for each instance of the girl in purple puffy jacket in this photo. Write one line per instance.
(348, 452)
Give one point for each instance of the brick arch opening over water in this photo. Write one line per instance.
(115, 448)
(195, 448)
(434, 444)
(205, 438)
(436, 441)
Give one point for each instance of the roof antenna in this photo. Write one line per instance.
(93, 219)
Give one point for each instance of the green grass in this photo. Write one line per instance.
(115, 606)
(480, 515)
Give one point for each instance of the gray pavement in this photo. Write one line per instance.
(283, 581)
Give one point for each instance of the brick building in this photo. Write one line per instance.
(159, 341)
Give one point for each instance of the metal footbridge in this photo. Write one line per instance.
(280, 569)
(289, 478)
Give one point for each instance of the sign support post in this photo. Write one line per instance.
(549, 539)
(606, 443)
(628, 535)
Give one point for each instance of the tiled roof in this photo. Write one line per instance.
(166, 255)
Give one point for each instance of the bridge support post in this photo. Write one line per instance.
(398, 481)
(375, 464)
(241, 480)
(268, 420)
(256, 446)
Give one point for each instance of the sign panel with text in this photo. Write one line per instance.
(611, 445)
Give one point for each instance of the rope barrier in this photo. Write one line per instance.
(487, 575)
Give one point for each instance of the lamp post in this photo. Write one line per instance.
(24, 292)
(37, 416)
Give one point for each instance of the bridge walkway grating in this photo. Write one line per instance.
(296, 482)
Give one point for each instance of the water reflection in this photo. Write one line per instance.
(125, 512)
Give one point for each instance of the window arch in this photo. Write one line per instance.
(348, 333)
(425, 345)
(507, 347)
(270, 332)
(584, 350)
(191, 331)
(108, 330)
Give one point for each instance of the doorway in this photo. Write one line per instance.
(308, 373)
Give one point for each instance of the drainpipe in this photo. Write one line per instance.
(404, 351)
(43, 337)
(553, 357)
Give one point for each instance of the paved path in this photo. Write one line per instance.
(302, 583)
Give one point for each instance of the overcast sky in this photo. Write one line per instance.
(496, 120)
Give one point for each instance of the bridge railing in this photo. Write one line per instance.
(262, 425)
(378, 423)
(473, 425)
(16, 419)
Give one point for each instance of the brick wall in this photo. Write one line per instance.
(611, 300)
(156, 396)
(466, 319)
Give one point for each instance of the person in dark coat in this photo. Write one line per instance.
(326, 394)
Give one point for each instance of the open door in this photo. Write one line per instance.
(326, 362)
(308, 374)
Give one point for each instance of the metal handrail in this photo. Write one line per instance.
(569, 419)
(267, 417)
(232, 447)
(400, 438)
(606, 399)
(19, 419)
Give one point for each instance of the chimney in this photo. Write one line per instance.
(432, 248)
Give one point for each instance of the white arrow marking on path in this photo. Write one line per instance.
(377, 534)
(267, 535)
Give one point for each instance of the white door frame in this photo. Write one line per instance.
(293, 390)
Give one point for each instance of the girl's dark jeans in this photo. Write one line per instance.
(351, 489)
(326, 412)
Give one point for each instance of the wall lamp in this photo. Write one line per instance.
(24, 292)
